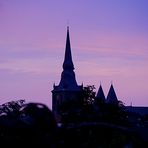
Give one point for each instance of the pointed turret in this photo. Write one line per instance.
(100, 95)
(111, 97)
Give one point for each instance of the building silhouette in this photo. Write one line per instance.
(68, 89)
(68, 95)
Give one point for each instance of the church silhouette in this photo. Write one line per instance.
(68, 90)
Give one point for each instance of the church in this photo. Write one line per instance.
(68, 89)
(68, 95)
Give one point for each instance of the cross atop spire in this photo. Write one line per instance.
(68, 63)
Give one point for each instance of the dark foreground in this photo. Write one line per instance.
(35, 126)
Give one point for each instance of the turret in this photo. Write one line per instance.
(111, 97)
(100, 97)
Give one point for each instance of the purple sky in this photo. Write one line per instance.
(109, 40)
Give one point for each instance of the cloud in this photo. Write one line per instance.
(117, 45)
(34, 66)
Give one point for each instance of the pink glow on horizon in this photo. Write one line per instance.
(108, 39)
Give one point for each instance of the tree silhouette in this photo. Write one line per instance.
(12, 107)
(89, 94)
(31, 124)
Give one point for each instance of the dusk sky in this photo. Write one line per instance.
(109, 40)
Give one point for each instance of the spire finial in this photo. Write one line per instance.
(67, 28)
(68, 24)
(100, 83)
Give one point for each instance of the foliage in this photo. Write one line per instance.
(89, 94)
(97, 135)
(12, 107)
(35, 126)
(31, 124)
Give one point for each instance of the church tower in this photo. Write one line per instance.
(68, 94)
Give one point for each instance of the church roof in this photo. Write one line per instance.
(100, 94)
(111, 97)
(142, 110)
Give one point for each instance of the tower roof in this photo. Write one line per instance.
(68, 80)
(111, 97)
(100, 94)
(68, 63)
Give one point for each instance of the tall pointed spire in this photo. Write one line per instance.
(68, 63)
(68, 80)
(111, 97)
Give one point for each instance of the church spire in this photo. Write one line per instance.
(68, 63)
(68, 80)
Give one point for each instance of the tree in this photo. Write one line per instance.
(89, 94)
(12, 107)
